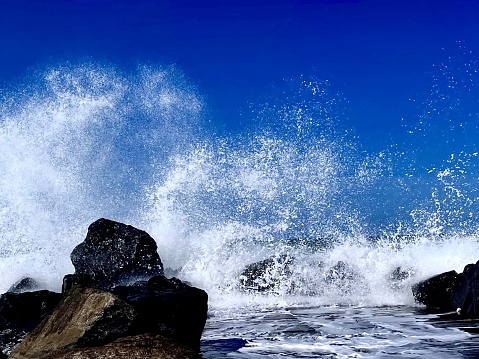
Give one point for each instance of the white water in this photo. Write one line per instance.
(80, 142)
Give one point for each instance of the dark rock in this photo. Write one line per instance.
(268, 274)
(436, 292)
(81, 280)
(9, 339)
(341, 271)
(22, 312)
(118, 290)
(451, 292)
(344, 277)
(84, 317)
(168, 307)
(399, 276)
(115, 253)
(24, 285)
(149, 346)
(26, 310)
(465, 293)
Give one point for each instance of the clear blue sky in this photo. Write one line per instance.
(377, 53)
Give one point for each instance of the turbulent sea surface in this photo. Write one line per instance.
(334, 332)
(84, 141)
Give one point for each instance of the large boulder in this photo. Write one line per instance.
(124, 260)
(167, 307)
(436, 292)
(114, 253)
(450, 291)
(84, 317)
(465, 293)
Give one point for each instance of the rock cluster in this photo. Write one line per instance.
(117, 304)
(450, 291)
(285, 274)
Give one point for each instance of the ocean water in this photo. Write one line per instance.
(88, 140)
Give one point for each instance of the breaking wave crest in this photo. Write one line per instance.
(83, 141)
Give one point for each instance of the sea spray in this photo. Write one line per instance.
(78, 142)
(85, 141)
(295, 189)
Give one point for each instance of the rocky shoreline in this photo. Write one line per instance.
(118, 303)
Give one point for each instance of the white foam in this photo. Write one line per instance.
(83, 142)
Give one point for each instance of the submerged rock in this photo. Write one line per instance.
(268, 274)
(24, 285)
(343, 277)
(114, 253)
(399, 276)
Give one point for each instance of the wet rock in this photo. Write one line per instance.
(22, 312)
(268, 274)
(436, 292)
(24, 285)
(168, 307)
(465, 293)
(84, 317)
(450, 291)
(149, 346)
(399, 275)
(26, 310)
(344, 277)
(115, 253)
(9, 339)
(118, 290)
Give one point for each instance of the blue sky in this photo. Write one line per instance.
(378, 54)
